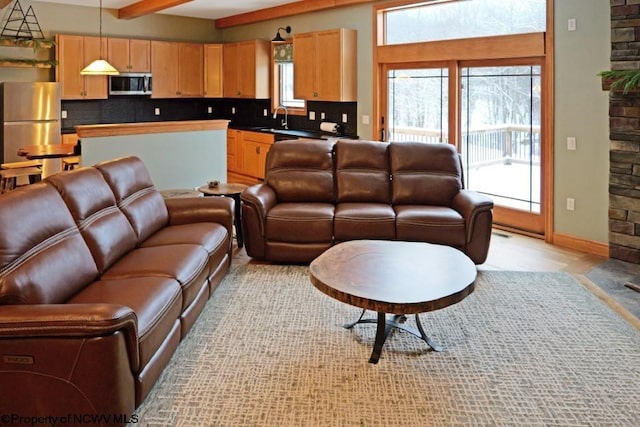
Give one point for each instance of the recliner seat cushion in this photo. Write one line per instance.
(188, 264)
(300, 223)
(156, 301)
(211, 236)
(433, 224)
(364, 221)
(43, 257)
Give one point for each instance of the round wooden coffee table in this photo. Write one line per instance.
(393, 278)
(233, 191)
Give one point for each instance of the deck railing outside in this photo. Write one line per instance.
(484, 146)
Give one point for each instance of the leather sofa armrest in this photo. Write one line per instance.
(201, 209)
(261, 198)
(470, 204)
(71, 321)
(477, 211)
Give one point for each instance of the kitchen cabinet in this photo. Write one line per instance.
(129, 55)
(247, 155)
(213, 71)
(234, 160)
(246, 69)
(324, 65)
(177, 69)
(73, 53)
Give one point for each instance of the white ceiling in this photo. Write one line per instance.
(207, 9)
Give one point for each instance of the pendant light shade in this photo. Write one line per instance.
(99, 67)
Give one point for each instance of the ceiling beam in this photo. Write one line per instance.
(146, 7)
(288, 9)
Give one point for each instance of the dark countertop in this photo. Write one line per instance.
(292, 133)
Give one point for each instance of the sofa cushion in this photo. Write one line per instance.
(362, 171)
(301, 171)
(104, 227)
(424, 174)
(135, 194)
(300, 222)
(43, 257)
(364, 221)
(188, 264)
(156, 301)
(432, 224)
(213, 237)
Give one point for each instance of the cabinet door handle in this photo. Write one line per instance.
(257, 150)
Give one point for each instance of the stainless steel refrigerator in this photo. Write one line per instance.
(30, 115)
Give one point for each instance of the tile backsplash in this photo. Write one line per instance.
(248, 112)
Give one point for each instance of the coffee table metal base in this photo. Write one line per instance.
(386, 325)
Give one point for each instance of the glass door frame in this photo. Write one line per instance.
(504, 217)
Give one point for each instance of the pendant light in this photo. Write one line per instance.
(99, 67)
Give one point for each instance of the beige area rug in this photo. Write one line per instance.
(525, 349)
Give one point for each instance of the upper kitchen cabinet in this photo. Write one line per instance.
(213, 71)
(129, 55)
(73, 53)
(324, 65)
(177, 69)
(246, 69)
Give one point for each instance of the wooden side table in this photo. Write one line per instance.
(233, 191)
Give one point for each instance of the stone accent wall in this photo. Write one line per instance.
(624, 134)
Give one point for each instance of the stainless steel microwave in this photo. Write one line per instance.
(130, 84)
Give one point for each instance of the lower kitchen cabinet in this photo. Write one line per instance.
(246, 155)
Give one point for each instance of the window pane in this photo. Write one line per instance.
(286, 86)
(501, 134)
(464, 19)
(418, 105)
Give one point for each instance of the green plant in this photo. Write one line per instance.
(625, 79)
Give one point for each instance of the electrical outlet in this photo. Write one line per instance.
(156, 111)
(322, 116)
(265, 113)
(233, 110)
(209, 110)
(571, 143)
(344, 117)
(365, 119)
(572, 24)
(63, 114)
(312, 115)
(571, 204)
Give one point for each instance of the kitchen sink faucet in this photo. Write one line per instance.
(286, 114)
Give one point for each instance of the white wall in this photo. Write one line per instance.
(582, 111)
(175, 160)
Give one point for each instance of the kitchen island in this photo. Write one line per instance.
(178, 154)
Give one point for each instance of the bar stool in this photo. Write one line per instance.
(25, 164)
(70, 163)
(8, 177)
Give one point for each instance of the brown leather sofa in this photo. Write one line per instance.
(100, 279)
(317, 193)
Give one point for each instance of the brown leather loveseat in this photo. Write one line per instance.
(317, 193)
(100, 279)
